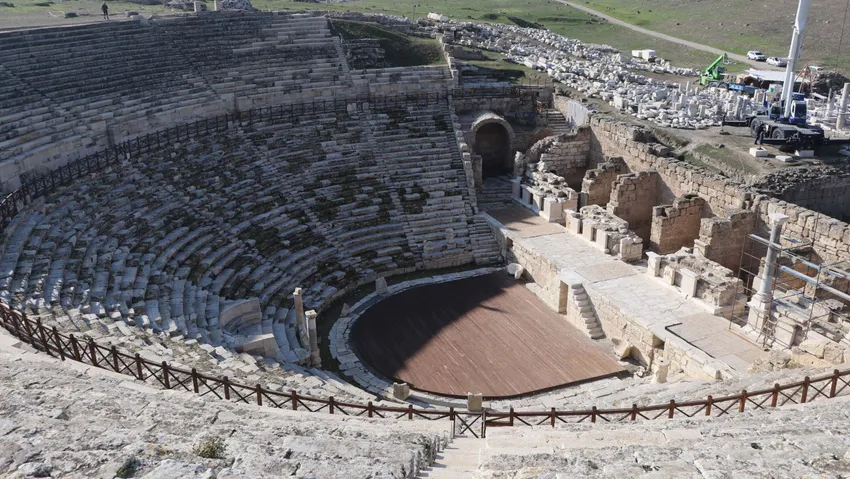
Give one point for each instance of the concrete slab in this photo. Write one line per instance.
(524, 223)
(606, 271)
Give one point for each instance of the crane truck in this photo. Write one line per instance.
(784, 123)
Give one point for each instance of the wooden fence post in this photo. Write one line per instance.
(139, 372)
(774, 396)
(29, 329)
(834, 385)
(114, 352)
(294, 400)
(15, 323)
(710, 401)
(410, 412)
(593, 414)
(634, 412)
(553, 417)
(743, 402)
(369, 409)
(195, 381)
(511, 416)
(93, 352)
(76, 349)
(671, 409)
(259, 395)
(226, 383)
(58, 343)
(806, 381)
(331, 405)
(166, 379)
(43, 336)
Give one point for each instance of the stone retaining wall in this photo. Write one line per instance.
(633, 197)
(675, 226)
(829, 195)
(597, 183)
(565, 155)
(830, 237)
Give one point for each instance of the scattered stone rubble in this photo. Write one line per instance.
(599, 71)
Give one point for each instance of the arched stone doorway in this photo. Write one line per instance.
(494, 143)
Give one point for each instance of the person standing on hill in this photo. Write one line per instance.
(105, 10)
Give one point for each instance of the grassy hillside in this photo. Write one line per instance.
(399, 50)
(741, 25)
(559, 18)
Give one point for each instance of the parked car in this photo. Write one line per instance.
(777, 62)
(756, 55)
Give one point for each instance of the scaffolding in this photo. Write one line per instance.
(806, 295)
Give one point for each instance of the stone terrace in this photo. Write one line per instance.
(151, 75)
(323, 202)
(65, 419)
(790, 442)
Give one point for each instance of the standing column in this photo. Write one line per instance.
(842, 108)
(760, 304)
(300, 323)
(315, 358)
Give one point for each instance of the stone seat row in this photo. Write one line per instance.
(176, 237)
(148, 68)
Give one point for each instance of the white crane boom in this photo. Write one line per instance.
(794, 54)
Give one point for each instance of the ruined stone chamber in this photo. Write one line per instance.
(482, 335)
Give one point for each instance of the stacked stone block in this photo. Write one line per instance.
(676, 226)
(564, 155)
(830, 237)
(633, 197)
(598, 182)
(151, 75)
(722, 239)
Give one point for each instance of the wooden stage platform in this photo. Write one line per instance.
(487, 334)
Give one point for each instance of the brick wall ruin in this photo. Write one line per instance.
(724, 198)
(565, 155)
(632, 198)
(676, 226)
(721, 239)
(597, 183)
(829, 195)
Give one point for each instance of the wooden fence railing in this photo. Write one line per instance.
(69, 346)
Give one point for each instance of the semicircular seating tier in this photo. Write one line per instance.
(69, 91)
(170, 240)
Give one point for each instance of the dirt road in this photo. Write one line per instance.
(695, 46)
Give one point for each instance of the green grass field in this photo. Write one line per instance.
(399, 50)
(559, 18)
(741, 25)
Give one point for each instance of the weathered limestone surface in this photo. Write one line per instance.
(598, 182)
(722, 239)
(831, 237)
(676, 226)
(565, 155)
(205, 65)
(789, 442)
(73, 421)
(633, 197)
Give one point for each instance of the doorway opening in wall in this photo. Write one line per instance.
(493, 143)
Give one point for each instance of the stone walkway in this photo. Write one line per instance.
(658, 307)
